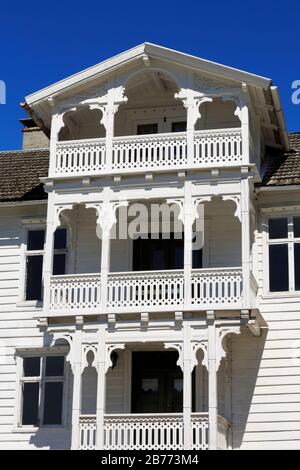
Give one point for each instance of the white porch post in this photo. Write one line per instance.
(190, 126)
(245, 125)
(245, 228)
(76, 361)
(48, 256)
(105, 246)
(188, 238)
(187, 387)
(110, 118)
(101, 388)
(212, 383)
(56, 124)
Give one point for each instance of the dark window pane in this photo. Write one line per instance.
(59, 263)
(197, 259)
(55, 366)
(31, 366)
(297, 265)
(179, 126)
(296, 221)
(60, 239)
(34, 270)
(278, 268)
(53, 403)
(30, 403)
(35, 239)
(278, 228)
(147, 129)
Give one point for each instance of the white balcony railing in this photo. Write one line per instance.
(147, 289)
(75, 293)
(156, 152)
(150, 432)
(80, 157)
(151, 290)
(216, 287)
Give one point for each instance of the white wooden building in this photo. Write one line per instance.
(112, 342)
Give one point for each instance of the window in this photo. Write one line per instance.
(284, 254)
(42, 385)
(147, 129)
(161, 253)
(178, 126)
(34, 259)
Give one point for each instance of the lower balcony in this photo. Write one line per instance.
(220, 288)
(150, 432)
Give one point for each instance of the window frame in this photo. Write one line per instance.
(42, 380)
(290, 241)
(30, 225)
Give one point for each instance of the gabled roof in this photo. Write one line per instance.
(151, 50)
(20, 173)
(281, 167)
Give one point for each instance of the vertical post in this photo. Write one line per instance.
(76, 360)
(245, 229)
(101, 389)
(188, 241)
(187, 387)
(48, 256)
(105, 245)
(190, 124)
(110, 117)
(56, 124)
(245, 124)
(212, 383)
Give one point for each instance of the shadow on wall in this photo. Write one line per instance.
(246, 356)
(57, 437)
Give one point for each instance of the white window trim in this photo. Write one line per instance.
(35, 224)
(43, 353)
(290, 240)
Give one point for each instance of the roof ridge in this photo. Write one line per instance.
(25, 150)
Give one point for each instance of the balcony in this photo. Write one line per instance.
(150, 432)
(156, 152)
(153, 291)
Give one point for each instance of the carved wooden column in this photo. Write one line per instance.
(187, 388)
(101, 388)
(189, 217)
(212, 382)
(48, 256)
(109, 125)
(245, 124)
(245, 235)
(76, 359)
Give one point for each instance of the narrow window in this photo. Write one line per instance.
(42, 385)
(34, 264)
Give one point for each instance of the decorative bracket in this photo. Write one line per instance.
(109, 349)
(178, 347)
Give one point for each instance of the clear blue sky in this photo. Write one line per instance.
(42, 42)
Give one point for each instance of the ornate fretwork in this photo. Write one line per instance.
(106, 214)
(195, 348)
(109, 349)
(184, 209)
(208, 85)
(94, 92)
(86, 349)
(222, 341)
(59, 209)
(236, 198)
(178, 347)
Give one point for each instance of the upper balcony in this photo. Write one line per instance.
(152, 126)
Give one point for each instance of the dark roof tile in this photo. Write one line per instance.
(20, 173)
(283, 168)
